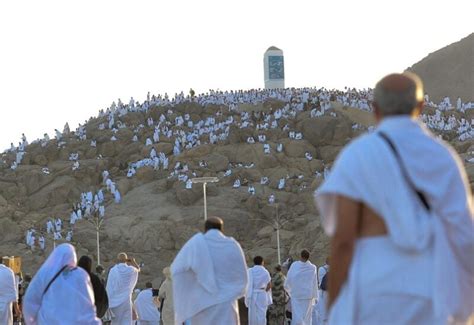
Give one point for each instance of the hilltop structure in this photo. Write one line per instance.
(274, 68)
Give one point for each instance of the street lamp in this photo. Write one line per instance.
(97, 221)
(276, 224)
(204, 181)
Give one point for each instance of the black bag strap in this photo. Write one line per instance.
(53, 279)
(392, 146)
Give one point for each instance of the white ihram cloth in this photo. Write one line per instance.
(8, 294)
(120, 284)
(425, 262)
(257, 298)
(209, 275)
(319, 311)
(302, 287)
(70, 298)
(146, 309)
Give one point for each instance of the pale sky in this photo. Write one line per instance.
(64, 60)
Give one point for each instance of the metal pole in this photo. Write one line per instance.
(98, 245)
(278, 226)
(205, 200)
(278, 245)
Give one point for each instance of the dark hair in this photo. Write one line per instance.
(258, 260)
(148, 285)
(278, 268)
(305, 254)
(99, 268)
(86, 263)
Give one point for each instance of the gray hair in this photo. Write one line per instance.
(392, 101)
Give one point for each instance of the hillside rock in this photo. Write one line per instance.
(449, 71)
(157, 213)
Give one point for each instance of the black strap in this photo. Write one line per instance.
(53, 279)
(420, 195)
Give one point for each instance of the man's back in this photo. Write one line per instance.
(369, 173)
(302, 281)
(209, 275)
(226, 256)
(8, 294)
(120, 283)
(145, 306)
(7, 285)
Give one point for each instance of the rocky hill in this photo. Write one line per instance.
(157, 213)
(449, 71)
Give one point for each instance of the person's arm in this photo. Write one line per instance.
(269, 286)
(133, 262)
(16, 308)
(342, 244)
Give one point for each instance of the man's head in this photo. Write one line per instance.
(304, 255)
(278, 268)
(99, 269)
(148, 285)
(122, 257)
(258, 260)
(214, 223)
(398, 94)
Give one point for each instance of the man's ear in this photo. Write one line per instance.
(419, 108)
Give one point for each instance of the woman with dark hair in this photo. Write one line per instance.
(100, 295)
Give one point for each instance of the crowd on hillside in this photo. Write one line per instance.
(91, 207)
(185, 132)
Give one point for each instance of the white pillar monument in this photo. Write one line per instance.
(274, 68)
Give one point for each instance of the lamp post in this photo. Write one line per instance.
(277, 224)
(204, 181)
(97, 221)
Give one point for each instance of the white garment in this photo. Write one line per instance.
(320, 316)
(208, 271)
(302, 280)
(120, 284)
(301, 311)
(224, 313)
(257, 298)
(69, 299)
(436, 245)
(302, 287)
(122, 314)
(166, 296)
(146, 308)
(8, 294)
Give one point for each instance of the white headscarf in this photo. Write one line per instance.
(63, 255)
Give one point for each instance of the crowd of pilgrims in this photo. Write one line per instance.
(186, 134)
(91, 207)
(113, 296)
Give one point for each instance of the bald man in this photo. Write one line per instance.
(120, 284)
(399, 211)
(209, 275)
